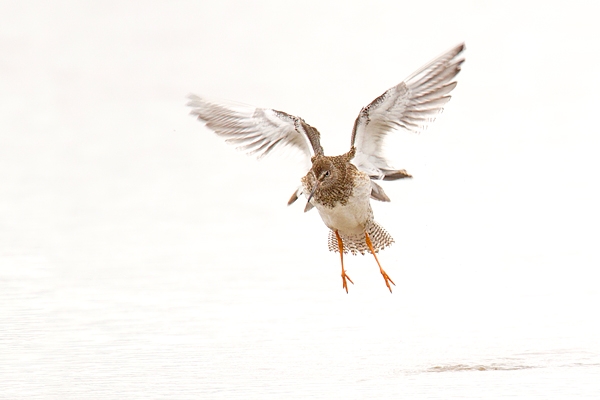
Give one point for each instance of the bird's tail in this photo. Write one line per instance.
(354, 244)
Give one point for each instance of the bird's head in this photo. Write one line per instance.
(323, 171)
(322, 176)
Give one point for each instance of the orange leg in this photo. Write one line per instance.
(385, 276)
(344, 276)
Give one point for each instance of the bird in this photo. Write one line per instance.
(341, 187)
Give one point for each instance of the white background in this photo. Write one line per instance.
(141, 257)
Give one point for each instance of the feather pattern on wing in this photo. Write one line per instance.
(257, 131)
(410, 105)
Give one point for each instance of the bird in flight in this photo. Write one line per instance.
(340, 187)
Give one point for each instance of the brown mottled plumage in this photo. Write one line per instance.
(338, 191)
(340, 187)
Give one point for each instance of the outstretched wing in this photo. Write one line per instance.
(410, 105)
(257, 131)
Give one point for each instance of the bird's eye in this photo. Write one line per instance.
(326, 174)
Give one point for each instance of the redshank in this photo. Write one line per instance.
(340, 187)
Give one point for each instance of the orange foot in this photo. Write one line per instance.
(386, 277)
(344, 283)
(344, 275)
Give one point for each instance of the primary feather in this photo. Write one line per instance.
(257, 131)
(411, 105)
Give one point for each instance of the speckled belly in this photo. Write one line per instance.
(352, 217)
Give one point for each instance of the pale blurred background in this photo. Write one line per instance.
(141, 257)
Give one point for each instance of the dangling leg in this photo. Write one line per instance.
(344, 276)
(385, 276)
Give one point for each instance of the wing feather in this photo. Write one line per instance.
(257, 131)
(411, 105)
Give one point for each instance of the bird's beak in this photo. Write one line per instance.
(308, 205)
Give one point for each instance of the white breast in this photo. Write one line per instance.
(351, 218)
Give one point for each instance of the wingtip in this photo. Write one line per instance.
(194, 102)
(192, 97)
(293, 198)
